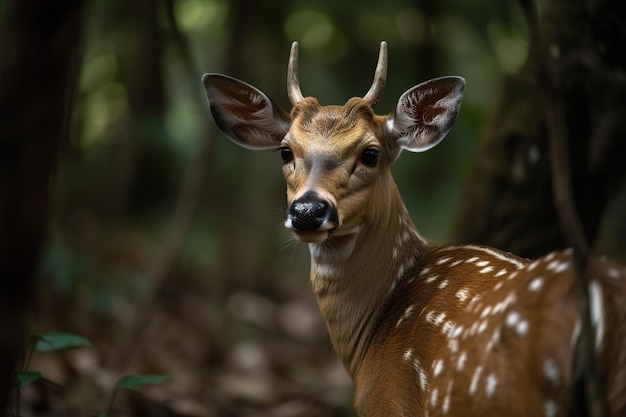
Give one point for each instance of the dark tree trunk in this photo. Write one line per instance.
(508, 202)
(38, 67)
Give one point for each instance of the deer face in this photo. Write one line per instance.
(332, 157)
(336, 159)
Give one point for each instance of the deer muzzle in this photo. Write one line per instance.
(311, 213)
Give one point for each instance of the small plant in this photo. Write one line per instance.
(55, 341)
(131, 382)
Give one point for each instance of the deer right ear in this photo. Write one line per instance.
(244, 113)
(425, 113)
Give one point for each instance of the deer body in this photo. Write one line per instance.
(422, 329)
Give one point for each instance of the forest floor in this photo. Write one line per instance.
(241, 354)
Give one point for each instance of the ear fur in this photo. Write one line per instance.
(425, 113)
(244, 113)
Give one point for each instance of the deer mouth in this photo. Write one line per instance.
(316, 236)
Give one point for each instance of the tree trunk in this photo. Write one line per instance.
(38, 68)
(508, 203)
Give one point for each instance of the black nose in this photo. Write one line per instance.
(309, 212)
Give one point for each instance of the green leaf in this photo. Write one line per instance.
(48, 342)
(133, 381)
(26, 378)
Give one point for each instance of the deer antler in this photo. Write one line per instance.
(380, 77)
(293, 85)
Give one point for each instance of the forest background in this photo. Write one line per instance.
(127, 218)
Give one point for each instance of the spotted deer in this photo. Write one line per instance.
(422, 329)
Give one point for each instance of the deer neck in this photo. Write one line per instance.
(354, 275)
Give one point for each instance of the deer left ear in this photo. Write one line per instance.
(425, 113)
(244, 113)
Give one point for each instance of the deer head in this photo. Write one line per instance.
(335, 158)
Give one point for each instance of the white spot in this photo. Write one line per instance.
(440, 318)
(408, 355)
(462, 294)
(597, 311)
(512, 318)
(422, 375)
(473, 300)
(510, 299)
(475, 378)
(483, 326)
(472, 330)
(431, 279)
(512, 275)
(486, 311)
(535, 284)
(562, 267)
(532, 266)
(457, 332)
(498, 286)
(501, 272)
(549, 256)
(447, 328)
(433, 397)
(430, 316)
(395, 253)
(472, 259)
(549, 408)
(443, 284)
(486, 269)
(456, 263)
(445, 407)
(498, 308)
(442, 261)
(461, 362)
(407, 313)
(490, 385)
(557, 267)
(522, 328)
(494, 338)
(437, 367)
(482, 263)
(551, 371)
(425, 271)
(453, 345)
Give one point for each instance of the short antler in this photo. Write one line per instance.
(380, 77)
(293, 85)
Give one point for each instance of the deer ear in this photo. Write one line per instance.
(425, 113)
(245, 114)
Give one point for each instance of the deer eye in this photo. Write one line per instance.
(370, 157)
(286, 154)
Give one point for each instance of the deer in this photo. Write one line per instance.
(422, 329)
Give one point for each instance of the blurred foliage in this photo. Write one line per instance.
(127, 154)
(140, 119)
